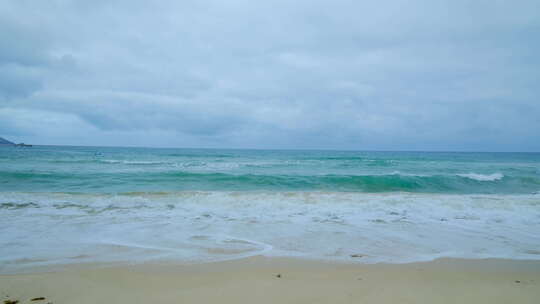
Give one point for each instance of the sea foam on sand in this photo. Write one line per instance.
(193, 227)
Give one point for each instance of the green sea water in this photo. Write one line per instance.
(121, 170)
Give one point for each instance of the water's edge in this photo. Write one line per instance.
(205, 226)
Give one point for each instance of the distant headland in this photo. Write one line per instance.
(5, 142)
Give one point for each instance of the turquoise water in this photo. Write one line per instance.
(64, 205)
(121, 170)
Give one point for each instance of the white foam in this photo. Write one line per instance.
(483, 177)
(407, 174)
(129, 162)
(210, 226)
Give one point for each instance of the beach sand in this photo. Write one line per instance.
(276, 280)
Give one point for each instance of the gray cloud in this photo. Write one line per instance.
(443, 75)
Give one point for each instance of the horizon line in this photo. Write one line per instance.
(281, 149)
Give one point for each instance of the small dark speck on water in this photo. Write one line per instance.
(278, 275)
(517, 281)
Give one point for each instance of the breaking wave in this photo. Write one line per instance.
(483, 177)
(185, 180)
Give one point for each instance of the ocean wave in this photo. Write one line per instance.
(483, 177)
(180, 180)
(197, 200)
(133, 162)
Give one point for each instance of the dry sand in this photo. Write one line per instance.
(255, 280)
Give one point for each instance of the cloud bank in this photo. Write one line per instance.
(384, 75)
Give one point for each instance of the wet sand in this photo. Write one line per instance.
(272, 280)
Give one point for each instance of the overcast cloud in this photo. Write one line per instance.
(386, 75)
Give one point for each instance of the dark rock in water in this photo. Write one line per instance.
(11, 301)
(278, 275)
(517, 281)
(38, 299)
(357, 255)
(5, 142)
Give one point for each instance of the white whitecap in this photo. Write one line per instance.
(483, 177)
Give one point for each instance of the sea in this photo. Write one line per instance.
(62, 205)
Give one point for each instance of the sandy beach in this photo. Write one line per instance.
(272, 280)
(274, 152)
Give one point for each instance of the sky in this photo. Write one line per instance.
(363, 75)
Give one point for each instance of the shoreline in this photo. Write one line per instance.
(165, 263)
(283, 280)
